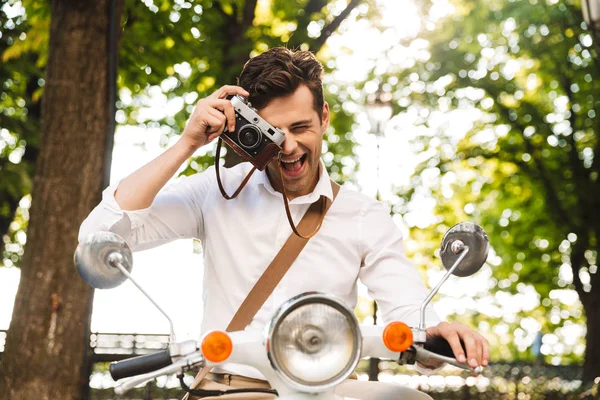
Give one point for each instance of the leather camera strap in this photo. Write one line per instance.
(285, 196)
(275, 271)
(288, 213)
(220, 184)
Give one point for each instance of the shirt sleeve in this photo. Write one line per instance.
(175, 213)
(391, 279)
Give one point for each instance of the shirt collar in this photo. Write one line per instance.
(323, 187)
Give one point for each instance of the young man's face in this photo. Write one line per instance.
(301, 151)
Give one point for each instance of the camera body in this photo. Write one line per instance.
(254, 139)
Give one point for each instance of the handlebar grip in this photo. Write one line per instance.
(140, 365)
(440, 346)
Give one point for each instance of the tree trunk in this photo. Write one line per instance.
(47, 346)
(591, 365)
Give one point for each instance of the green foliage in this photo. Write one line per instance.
(208, 47)
(19, 123)
(173, 52)
(506, 95)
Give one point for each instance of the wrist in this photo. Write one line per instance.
(187, 146)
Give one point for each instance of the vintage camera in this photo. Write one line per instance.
(254, 139)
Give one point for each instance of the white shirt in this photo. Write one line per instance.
(240, 237)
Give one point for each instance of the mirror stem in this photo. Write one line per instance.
(114, 259)
(421, 336)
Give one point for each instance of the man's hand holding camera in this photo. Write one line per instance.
(210, 117)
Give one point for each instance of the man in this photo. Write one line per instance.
(240, 237)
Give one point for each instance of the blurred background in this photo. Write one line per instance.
(445, 110)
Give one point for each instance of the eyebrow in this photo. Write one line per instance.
(300, 123)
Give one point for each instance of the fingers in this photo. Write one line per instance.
(486, 352)
(476, 346)
(216, 128)
(225, 107)
(471, 346)
(226, 90)
(481, 355)
(214, 125)
(211, 115)
(454, 341)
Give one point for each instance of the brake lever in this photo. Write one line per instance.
(419, 354)
(184, 364)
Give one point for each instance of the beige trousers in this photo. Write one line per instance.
(350, 388)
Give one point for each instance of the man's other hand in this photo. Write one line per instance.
(477, 347)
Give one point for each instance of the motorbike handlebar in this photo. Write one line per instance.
(140, 365)
(434, 349)
(441, 346)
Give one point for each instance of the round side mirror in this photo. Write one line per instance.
(460, 235)
(95, 259)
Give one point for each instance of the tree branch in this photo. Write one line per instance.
(300, 35)
(595, 280)
(577, 260)
(577, 166)
(328, 30)
(314, 6)
(236, 33)
(219, 7)
(551, 194)
(586, 207)
(5, 221)
(249, 12)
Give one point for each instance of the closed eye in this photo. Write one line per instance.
(301, 125)
(300, 128)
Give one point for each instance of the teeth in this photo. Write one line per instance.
(291, 161)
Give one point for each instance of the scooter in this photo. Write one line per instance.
(312, 344)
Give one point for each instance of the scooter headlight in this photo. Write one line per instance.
(314, 342)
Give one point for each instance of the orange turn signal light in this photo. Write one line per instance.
(397, 336)
(216, 346)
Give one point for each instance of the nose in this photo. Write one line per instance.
(289, 144)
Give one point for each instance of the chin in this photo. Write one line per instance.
(294, 187)
(302, 186)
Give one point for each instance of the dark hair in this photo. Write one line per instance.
(278, 72)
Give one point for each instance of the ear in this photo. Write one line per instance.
(325, 118)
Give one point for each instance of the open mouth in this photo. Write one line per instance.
(293, 164)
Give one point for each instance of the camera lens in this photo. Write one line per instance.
(249, 136)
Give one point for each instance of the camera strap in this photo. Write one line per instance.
(287, 206)
(220, 184)
(282, 262)
(285, 196)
